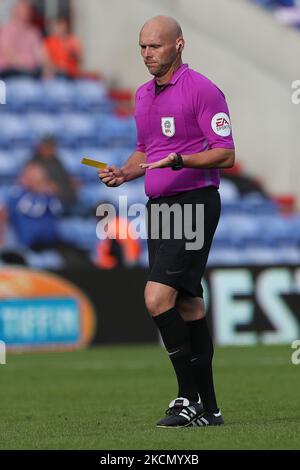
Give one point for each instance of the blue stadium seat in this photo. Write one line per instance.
(77, 130)
(78, 231)
(256, 205)
(114, 131)
(91, 96)
(70, 160)
(259, 255)
(231, 207)
(226, 256)
(23, 94)
(15, 132)
(283, 252)
(279, 228)
(59, 95)
(228, 192)
(11, 163)
(91, 195)
(238, 228)
(274, 3)
(121, 154)
(42, 124)
(254, 253)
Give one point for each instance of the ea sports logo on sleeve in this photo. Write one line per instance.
(221, 125)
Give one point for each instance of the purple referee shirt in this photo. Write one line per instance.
(188, 116)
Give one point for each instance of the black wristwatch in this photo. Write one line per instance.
(177, 163)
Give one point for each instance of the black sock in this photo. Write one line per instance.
(175, 335)
(202, 354)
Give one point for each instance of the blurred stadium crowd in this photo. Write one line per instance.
(285, 11)
(55, 114)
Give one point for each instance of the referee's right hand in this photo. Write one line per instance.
(112, 176)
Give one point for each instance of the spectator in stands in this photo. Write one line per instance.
(33, 208)
(63, 50)
(46, 155)
(32, 212)
(21, 47)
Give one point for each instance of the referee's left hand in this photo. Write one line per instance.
(163, 163)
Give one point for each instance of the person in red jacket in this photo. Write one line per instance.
(63, 49)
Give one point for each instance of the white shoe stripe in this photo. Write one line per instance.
(199, 422)
(192, 410)
(184, 414)
(203, 420)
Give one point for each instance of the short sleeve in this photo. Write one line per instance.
(213, 117)
(140, 145)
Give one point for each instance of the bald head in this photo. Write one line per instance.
(161, 44)
(165, 25)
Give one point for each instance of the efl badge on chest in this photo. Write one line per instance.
(168, 126)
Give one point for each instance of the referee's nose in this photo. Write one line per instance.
(147, 52)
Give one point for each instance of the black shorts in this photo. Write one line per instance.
(170, 262)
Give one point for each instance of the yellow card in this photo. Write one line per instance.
(89, 162)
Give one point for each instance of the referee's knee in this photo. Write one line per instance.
(158, 302)
(157, 306)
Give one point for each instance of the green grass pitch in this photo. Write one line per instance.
(110, 398)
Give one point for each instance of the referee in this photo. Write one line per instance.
(184, 137)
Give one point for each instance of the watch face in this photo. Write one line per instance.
(177, 163)
(177, 166)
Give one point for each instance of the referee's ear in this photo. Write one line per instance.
(180, 46)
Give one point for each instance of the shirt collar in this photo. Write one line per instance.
(183, 68)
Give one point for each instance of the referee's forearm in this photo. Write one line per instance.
(131, 169)
(214, 158)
